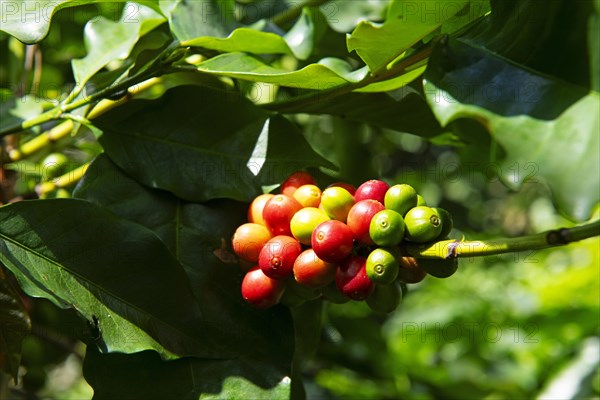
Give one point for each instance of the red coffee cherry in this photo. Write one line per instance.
(261, 291)
(311, 271)
(352, 280)
(295, 180)
(373, 189)
(276, 259)
(278, 213)
(359, 219)
(332, 241)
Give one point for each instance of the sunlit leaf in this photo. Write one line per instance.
(243, 39)
(108, 40)
(323, 75)
(406, 23)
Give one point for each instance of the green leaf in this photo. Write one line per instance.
(108, 40)
(550, 131)
(195, 19)
(344, 15)
(302, 36)
(394, 83)
(406, 23)
(243, 39)
(472, 11)
(198, 235)
(14, 110)
(15, 324)
(325, 74)
(404, 109)
(186, 142)
(145, 376)
(299, 41)
(80, 256)
(30, 21)
(531, 33)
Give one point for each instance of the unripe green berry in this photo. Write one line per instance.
(383, 265)
(385, 298)
(447, 223)
(423, 224)
(401, 198)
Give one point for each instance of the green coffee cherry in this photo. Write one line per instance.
(387, 228)
(401, 198)
(385, 298)
(421, 201)
(383, 265)
(447, 223)
(423, 224)
(439, 268)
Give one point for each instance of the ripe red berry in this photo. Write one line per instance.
(373, 189)
(352, 279)
(332, 241)
(278, 213)
(249, 239)
(295, 180)
(359, 219)
(261, 291)
(311, 271)
(276, 259)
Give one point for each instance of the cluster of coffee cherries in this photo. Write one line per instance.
(339, 244)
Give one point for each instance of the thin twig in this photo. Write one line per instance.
(448, 249)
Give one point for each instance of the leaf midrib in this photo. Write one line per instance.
(100, 288)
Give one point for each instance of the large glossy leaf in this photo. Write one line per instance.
(532, 33)
(80, 256)
(404, 109)
(198, 235)
(188, 143)
(406, 23)
(107, 40)
(145, 376)
(326, 74)
(14, 326)
(548, 128)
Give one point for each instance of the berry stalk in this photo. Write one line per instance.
(448, 249)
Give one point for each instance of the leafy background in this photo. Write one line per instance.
(488, 108)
